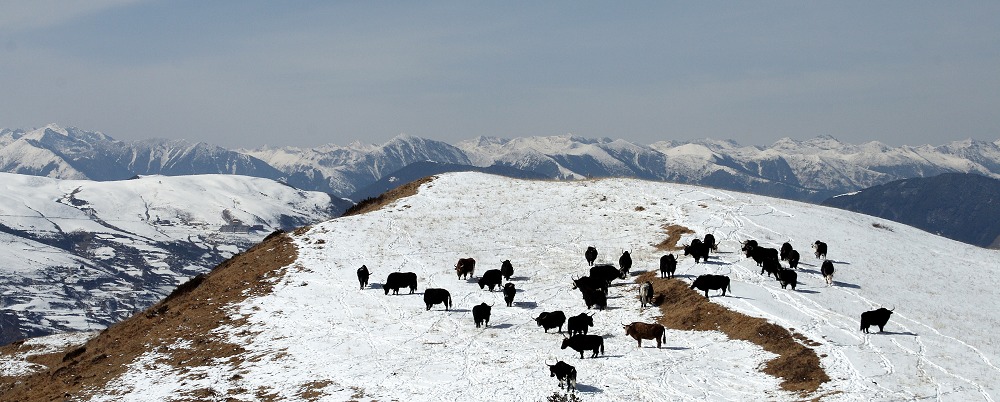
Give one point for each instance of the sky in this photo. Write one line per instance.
(307, 73)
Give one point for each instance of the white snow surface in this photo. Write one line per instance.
(317, 327)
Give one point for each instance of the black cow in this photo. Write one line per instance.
(668, 265)
(481, 314)
(646, 294)
(563, 372)
(785, 249)
(875, 317)
(586, 282)
(710, 242)
(434, 296)
(581, 343)
(697, 249)
(549, 320)
(749, 244)
(363, 275)
(398, 280)
(761, 254)
(606, 273)
(625, 261)
(819, 249)
(591, 255)
(712, 282)
(594, 297)
(771, 266)
(465, 267)
(793, 259)
(492, 278)
(827, 270)
(578, 324)
(507, 269)
(787, 277)
(508, 293)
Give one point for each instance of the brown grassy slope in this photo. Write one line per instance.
(375, 203)
(686, 309)
(191, 312)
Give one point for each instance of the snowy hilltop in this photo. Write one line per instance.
(287, 320)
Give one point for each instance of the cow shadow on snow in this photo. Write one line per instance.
(501, 326)
(375, 286)
(526, 305)
(519, 278)
(806, 291)
(588, 388)
(846, 285)
(894, 333)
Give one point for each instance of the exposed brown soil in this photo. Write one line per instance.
(190, 313)
(685, 309)
(674, 233)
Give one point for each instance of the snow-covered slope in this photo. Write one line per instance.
(78, 254)
(317, 331)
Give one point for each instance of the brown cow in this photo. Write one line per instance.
(465, 267)
(641, 330)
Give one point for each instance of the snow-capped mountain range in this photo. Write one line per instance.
(287, 320)
(83, 254)
(811, 170)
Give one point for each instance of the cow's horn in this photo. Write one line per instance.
(893, 308)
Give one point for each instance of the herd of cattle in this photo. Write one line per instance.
(594, 290)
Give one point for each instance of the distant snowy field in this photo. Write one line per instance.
(319, 331)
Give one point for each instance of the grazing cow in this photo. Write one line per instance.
(625, 261)
(549, 320)
(594, 297)
(771, 266)
(749, 244)
(668, 265)
(508, 293)
(819, 249)
(827, 270)
(586, 282)
(581, 343)
(506, 269)
(363, 275)
(761, 254)
(875, 317)
(646, 294)
(492, 278)
(641, 330)
(606, 273)
(697, 249)
(712, 282)
(465, 267)
(793, 259)
(710, 242)
(481, 314)
(785, 249)
(398, 280)
(787, 277)
(578, 324)
(434, 296)
(563, 372)
(591, 255)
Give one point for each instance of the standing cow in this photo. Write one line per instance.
(875, 317)
(697, 249)
(398, 280)
(710, 242)
(668, 265)
(507, 269)
(641, 330)
(492, 278)
(508, 293)
(465, 267)
(563, 372)
(712, 282)
(579, 324)
(827, 270)
(363, 275)
(646, 294)
(786, 248)
(549, 320)
(771, 266)
(819, 249)
(481, 314)
(591, 255)
(595, 297)
(625, 262)
(581, 343)
(434, 296)
(606, 273)
(787, 277)
(793, 259)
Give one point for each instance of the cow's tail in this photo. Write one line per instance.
(449, 301)
(663, 336)
(602, 346)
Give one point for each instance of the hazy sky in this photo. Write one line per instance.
(304, 73)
